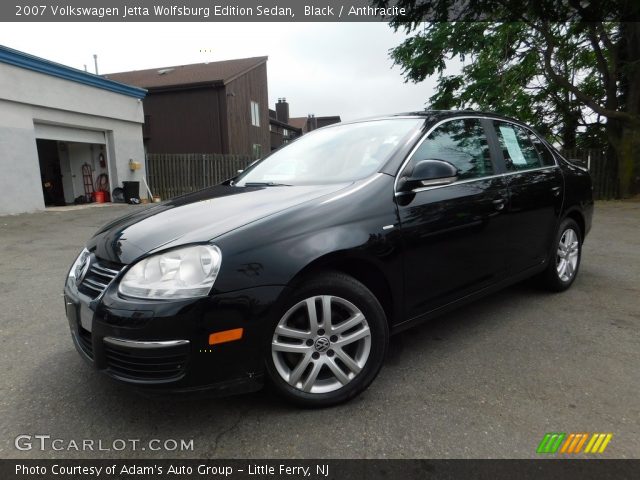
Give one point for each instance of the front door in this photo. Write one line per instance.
(454, 235)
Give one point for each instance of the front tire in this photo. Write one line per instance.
(328, 343)
(564, 260)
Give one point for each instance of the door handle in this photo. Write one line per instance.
(555, 191)
(498, 203)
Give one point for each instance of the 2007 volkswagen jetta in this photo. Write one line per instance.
(298, 269)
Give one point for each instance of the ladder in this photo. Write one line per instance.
(87, 180)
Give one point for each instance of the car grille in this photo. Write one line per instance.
(163, 364)
(98, 278)
(84, 340)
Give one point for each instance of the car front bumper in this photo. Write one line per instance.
(164, 345)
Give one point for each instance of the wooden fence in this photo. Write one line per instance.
(603, 171)
(170, 175)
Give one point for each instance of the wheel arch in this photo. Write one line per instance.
(365, 271)
(576, 215)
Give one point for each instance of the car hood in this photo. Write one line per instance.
(197, 217)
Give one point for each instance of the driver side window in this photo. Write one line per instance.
(462, 143)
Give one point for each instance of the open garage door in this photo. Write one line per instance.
(47, 131)
(66, 156)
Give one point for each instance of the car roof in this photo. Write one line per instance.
(431, 116)
(437, 115)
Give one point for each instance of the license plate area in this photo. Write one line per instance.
(86, 317)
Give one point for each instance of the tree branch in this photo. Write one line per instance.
(605, 39)
(600, 58)
(580, 95)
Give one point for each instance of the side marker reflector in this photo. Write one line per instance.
(226, 336)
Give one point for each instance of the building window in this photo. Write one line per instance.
(285, 132)
(257, 150)
(255, 114)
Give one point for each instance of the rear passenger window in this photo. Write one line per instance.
(543, 151)
(460, 142)
(518, 149)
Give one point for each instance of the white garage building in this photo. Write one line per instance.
(58, 123)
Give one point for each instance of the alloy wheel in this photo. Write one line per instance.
(567, 255)
(321, 344)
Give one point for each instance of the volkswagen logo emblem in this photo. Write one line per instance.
(322, 344)
(82, 270)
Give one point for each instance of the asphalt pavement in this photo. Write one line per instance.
(488, 380)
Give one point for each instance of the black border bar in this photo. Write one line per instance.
(548, 469)
(318, 10)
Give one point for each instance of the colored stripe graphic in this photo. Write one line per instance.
(598, 443)
(550, 442)
(581, 442)
(572, 443)
(606, 441)
(567, 443)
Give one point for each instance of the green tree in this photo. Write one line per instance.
(556, 75)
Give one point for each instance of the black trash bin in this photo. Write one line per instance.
(131, 192)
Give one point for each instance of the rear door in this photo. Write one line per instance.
(535, 186)
(453, 235)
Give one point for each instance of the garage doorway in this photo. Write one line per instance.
(50, 173)
(71, 158)
(63, 166)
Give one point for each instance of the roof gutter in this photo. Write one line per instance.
(40, 65)
(186, 86)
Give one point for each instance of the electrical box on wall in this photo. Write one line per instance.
(133, 166)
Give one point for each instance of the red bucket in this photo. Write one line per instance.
(99, 197)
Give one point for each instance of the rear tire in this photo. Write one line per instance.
(328, 342)
(564, 260)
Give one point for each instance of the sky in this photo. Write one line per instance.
(321, 68)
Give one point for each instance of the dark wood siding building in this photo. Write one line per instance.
(251, 87)
(217, 107)
(281, 130)
(311, 122)
(284, 128)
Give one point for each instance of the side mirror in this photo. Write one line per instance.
(429, 173)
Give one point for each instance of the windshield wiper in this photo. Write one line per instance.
(266, 184)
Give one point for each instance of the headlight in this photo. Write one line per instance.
(182, 273)
(81, 263)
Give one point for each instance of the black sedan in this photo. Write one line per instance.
(297, 270)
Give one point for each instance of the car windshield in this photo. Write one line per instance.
(331, 155)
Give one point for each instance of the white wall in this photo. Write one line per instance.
(79, 154)
(28, 97)
(20, 184)
(34, 88)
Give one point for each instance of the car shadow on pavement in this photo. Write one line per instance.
(463, 322)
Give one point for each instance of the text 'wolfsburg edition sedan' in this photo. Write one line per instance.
(297, 270)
